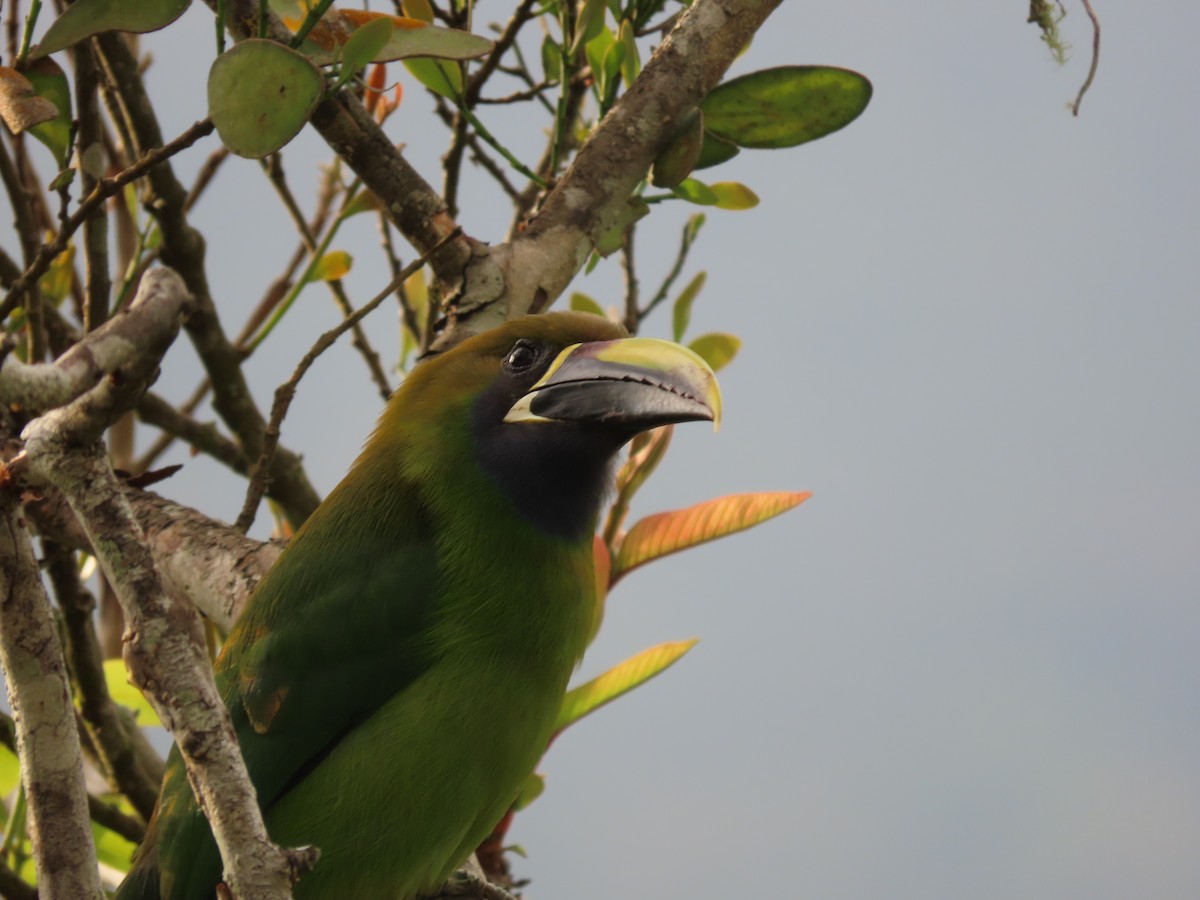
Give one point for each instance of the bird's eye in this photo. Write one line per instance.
(521, 357)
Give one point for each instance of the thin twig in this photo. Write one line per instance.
(286, 391)
(629, 268)
(104, 189)
(1087, 5)
(275, 174)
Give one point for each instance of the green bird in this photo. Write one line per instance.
(395, 676)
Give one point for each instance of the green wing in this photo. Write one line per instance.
(336, 628)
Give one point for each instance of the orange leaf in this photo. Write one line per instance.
(670, 532)
(603, 563)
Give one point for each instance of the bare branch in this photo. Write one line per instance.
(1091, 75)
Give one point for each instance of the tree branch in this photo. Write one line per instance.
(592, 196)
(48, 743)
(164, 649)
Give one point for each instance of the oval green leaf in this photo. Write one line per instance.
(717, 349)
(785, 106)
(665, 533)
(260, 94)
(534, 785)
(85, 18)
(621, 679)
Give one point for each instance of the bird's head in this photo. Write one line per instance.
(545, 402)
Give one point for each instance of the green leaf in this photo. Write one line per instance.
(681, 313)
(678, 158)
(785, 106)
(85, 18)
(715, 151)
(692, 229)
(10, 771)
(50, 81)
(588, 26)
(533, 787)
(734, 195)
(260, 94)
(694, 191)
(126, 694)
(659, 535)
(363, 46)
(716, 349)
(111, 848)
(552, 60)
(620, 679)
(597, 52)
(583, 303)
(440, 77)
(631, 64)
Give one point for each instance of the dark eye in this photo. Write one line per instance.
(521, 357)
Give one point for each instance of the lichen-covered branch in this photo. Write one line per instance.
(47, 741)
(592, 196)
(164, 649)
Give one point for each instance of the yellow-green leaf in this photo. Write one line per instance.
(603, 565)
(533, 787)
(85, 18)
(645, 453)
(620, 679)
(364, 201)
(734, 195)
(10, 771)
(716, 349)
(681, 313)
(332, 266)
(417, 9)
(583, 303)
(56, 283)
(695, 191)
(669, 532)
(111, 848)
(126, 694)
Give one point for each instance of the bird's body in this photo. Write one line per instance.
(396, 675)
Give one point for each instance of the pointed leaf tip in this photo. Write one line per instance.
(621, 679)
(669, 532)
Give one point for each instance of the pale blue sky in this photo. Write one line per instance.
(968, 666)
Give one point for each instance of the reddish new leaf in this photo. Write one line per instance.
(670, 532)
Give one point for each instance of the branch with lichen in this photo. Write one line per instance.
(164, 649)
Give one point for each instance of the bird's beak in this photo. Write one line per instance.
(637, 383)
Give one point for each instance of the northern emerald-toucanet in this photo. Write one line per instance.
(395, 676)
